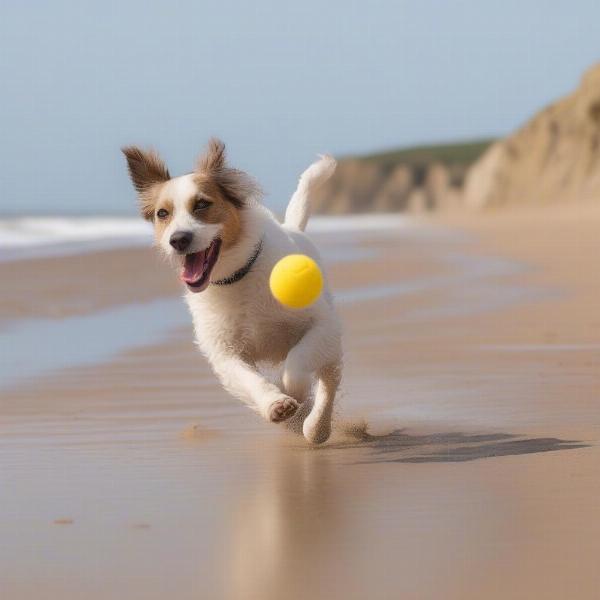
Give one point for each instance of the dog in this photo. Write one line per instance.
(211, 223)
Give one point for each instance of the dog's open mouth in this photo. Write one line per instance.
(197, 267)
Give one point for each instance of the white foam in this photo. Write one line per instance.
(361, 222)
(35, 231)
(48, 236)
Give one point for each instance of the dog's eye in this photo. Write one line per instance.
(162, 213)
(201, 205)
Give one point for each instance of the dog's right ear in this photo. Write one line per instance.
(146, 169)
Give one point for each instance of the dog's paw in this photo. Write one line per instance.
(316, 432)
(282, 409)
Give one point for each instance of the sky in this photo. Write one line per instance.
(279, 82)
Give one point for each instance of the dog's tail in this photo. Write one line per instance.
(316, 175)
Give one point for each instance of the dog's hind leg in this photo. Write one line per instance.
(320, 345)
(318, 353)
(317, 426)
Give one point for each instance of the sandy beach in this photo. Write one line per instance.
(472, 348)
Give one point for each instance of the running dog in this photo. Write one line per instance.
(225, 243)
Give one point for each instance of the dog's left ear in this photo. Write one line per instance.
(236, 186)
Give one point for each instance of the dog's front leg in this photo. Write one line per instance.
(243, 381)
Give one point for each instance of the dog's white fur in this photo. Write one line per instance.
(240, 325)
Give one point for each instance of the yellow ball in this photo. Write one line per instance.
(296, 281)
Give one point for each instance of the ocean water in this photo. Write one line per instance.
(32, 237)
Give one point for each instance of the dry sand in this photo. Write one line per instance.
(473, 348)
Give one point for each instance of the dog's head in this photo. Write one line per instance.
(195, 216)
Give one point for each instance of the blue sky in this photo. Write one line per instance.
(279, 82)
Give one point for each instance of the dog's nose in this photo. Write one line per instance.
(181, 240)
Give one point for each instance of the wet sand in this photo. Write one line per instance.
(472, 352)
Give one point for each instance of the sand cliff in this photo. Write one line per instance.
(554, 157)
(415, 180)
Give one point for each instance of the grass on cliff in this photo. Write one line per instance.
(461, 154)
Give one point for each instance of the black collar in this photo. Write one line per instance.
(244, 270)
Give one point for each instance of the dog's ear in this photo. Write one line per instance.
(213, 158)
(236, 186)
(146, 169)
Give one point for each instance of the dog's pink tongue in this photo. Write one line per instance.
(193, 267)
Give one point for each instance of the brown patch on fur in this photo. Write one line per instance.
(220, 211)
(147, 170)
(235, 186)
(232, 228)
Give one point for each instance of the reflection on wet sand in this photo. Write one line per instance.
(304, 526)
(290, 510)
